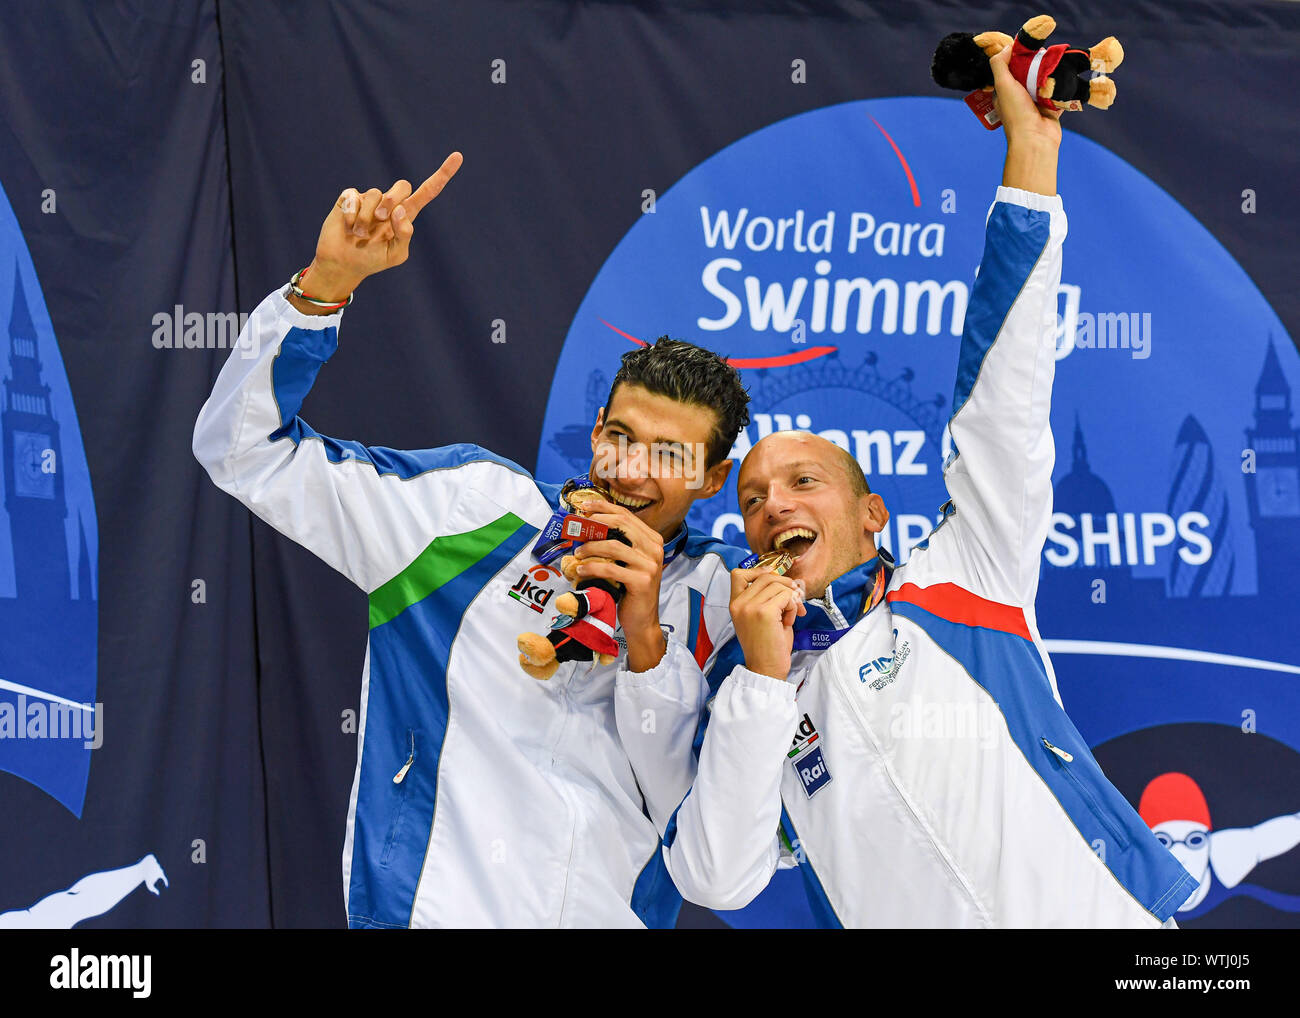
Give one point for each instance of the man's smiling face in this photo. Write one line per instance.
(651, 450)
(797, 493)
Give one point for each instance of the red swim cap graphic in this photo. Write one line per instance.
(1174, 796)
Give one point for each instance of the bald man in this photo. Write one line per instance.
(896, 732)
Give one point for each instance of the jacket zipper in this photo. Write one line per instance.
(827, 604)
(1121, 839)
(396, 825)
(925, 828)
(401, 775)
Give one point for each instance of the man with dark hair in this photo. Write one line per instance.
(896, 733)
(690, 374)
(483, 797)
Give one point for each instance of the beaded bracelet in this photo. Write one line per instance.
(327, 304)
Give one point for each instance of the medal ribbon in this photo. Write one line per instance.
(820, 639)
(551, 542)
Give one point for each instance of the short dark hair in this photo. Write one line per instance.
(690, 374)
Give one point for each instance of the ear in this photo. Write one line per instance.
(874, 513)
(600, 423)
(714, 478)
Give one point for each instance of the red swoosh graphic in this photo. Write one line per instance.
(778, 361)
(916, 195)
(782, 360)
(625, 335)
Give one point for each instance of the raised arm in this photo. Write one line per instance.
(367, 511)
(1234, 852)
(92, 895)
(999, 473)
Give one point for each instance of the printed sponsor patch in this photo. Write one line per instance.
(812, 771)
(530, 589)
(806, 757)
(804, 736)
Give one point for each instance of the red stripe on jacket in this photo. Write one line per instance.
(956, 604)
(703, 642)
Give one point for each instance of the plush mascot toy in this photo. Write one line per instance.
(584, 630)
(1053, 75)
(588, 615)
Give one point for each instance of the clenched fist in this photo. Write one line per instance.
(763, 609)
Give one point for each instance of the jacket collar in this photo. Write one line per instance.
(845, 600)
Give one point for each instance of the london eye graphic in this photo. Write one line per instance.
(774, 387)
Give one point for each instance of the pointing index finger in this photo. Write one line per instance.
(431, 188)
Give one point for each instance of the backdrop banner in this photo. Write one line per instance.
(779, 181)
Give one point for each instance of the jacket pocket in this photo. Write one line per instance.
(1064, 762)
(400, 786)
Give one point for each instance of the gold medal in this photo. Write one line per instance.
(580, 499)
(778, 562)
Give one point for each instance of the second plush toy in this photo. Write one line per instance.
(1053, 75)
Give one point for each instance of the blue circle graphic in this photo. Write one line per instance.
(837, 247)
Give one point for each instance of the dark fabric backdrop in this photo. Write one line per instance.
(224, 719)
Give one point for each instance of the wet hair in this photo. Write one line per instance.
(690, 374)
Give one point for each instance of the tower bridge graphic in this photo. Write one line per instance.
(1199, 482)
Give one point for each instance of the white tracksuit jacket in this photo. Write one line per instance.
(921, 771)
(481, 797)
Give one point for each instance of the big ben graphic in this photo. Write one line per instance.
(48, 626)
(1273, 489)
(34, 495)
